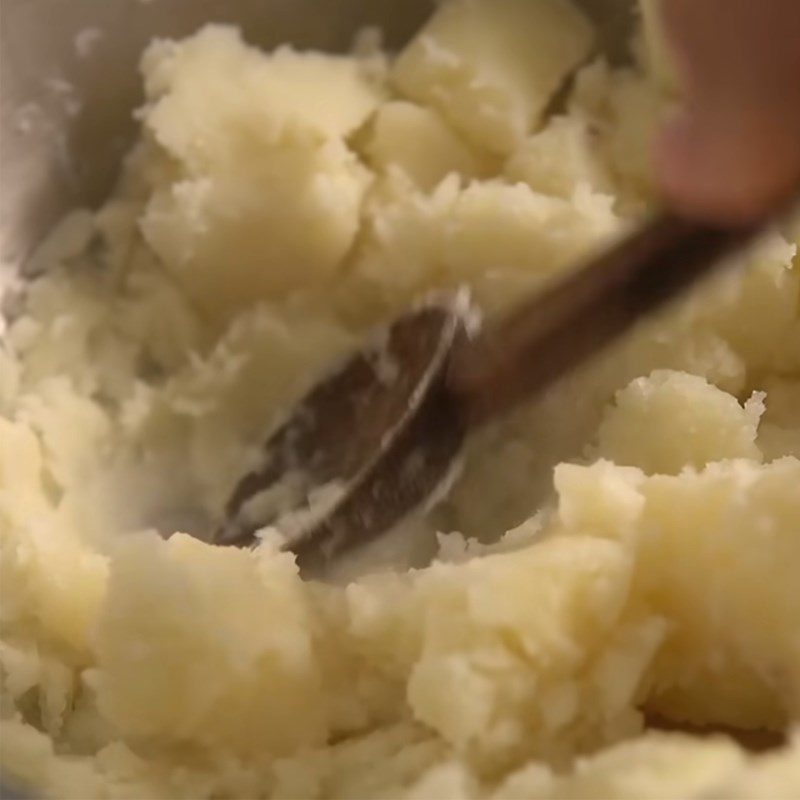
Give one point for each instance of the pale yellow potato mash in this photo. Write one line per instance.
(625, 549)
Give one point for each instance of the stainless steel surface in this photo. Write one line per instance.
(10, 791)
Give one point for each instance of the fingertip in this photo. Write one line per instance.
(685, 176)
(720, 174)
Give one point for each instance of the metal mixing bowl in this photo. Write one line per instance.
(70, 83)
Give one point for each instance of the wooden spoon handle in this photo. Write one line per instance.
(586, 310)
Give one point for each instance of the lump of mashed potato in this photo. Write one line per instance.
(491, 69)
(260, 172)
(613, 607)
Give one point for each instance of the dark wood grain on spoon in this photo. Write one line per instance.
(391, 443)
(564, 325)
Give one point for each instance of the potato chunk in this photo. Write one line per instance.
(557, 159)
(491, 67)
(264, 197)
(670, 420)
(418, 141)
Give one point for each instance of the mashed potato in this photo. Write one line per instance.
(275, 207)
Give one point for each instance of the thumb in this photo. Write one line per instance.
(734, 150)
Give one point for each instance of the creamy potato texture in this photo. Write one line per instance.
(626, 549)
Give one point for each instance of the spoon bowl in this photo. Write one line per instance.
(365, 446)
